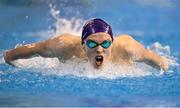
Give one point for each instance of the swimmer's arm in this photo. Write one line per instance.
(25, 51)
(149, 57)
(138, 53)
(55, 47)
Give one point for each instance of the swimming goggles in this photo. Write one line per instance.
(92, 44)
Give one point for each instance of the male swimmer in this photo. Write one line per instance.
(96, 44)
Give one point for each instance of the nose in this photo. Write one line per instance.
(99, 49)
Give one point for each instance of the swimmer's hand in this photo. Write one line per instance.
(164, 63)
(7, 58)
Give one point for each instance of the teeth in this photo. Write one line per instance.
(99, 58)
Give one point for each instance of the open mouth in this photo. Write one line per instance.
(99, 60)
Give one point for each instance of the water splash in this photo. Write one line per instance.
(60, 26)
(1, 58)
(63, 25)
(164, 51)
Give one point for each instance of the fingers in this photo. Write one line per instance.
(6, 58)
(164, 64)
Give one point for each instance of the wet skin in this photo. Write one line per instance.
(103, 53)
(124, 50)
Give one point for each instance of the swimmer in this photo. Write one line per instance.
(96, 44)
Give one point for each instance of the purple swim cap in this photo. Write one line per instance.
(94, 26)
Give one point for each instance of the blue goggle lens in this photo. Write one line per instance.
(106, 44)
(93, 44)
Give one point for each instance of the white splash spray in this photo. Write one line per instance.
(63, 25)
(164, 51)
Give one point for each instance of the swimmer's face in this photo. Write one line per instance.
(98, 49)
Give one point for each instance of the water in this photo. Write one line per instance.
(46, 82)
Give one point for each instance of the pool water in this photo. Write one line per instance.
(42, 81)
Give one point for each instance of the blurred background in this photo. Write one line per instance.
(46, 82)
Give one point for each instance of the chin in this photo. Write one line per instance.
(98, 66)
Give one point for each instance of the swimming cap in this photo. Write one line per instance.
(94, 26)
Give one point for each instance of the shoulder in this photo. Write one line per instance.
(124, 38)
(67, 36)
(64, 45)
(128, 43)
(131, 46)
(64, 39)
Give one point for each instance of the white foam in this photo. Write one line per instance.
(2, 61)
(76, 67)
